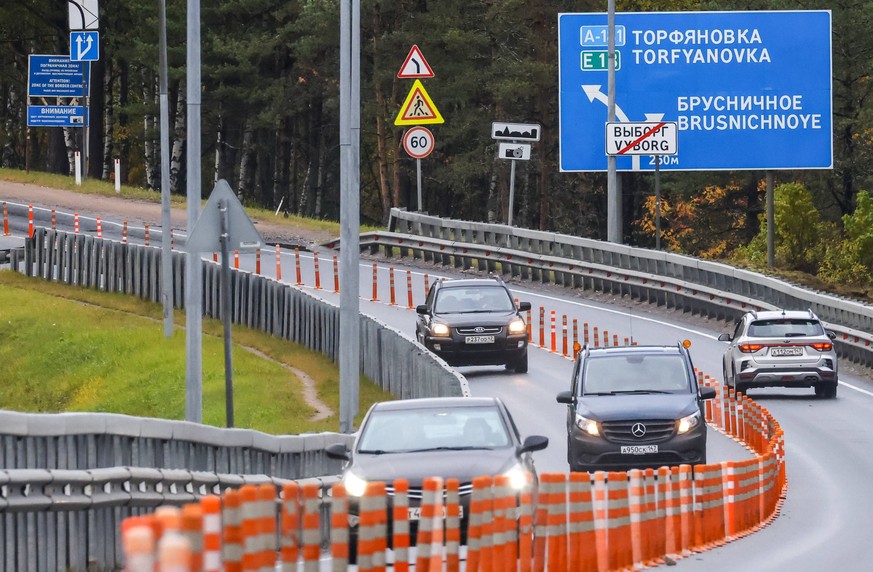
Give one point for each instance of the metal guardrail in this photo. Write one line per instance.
(69, 520)
(677, 281)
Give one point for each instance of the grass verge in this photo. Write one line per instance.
(64, 348)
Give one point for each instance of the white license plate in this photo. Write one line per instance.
(414, 512)
(795, 351)
(479, 340)
(639, 449)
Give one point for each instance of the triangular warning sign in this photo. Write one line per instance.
(415, 65)
(418, 109)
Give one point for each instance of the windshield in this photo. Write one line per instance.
(635, 374)
(459, 300)
(433, 429)
(781, 328)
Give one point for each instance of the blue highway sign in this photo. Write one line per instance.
(747, 90)
(84, 46)
(56, 116)
(55, 76)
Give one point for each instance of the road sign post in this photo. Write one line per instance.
(747, 90)
(418, 143)
(517, 150)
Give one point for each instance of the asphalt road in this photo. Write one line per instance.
(825, 520)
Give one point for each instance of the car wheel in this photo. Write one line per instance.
(826, 390)
(727, 380)
(741, 389)
(520, 365)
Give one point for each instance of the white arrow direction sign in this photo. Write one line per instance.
(84, 46)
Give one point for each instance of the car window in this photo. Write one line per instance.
(395, 431)
(785, 328)
(617, 373)
(472, 299)
(738, 331)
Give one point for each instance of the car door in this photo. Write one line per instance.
(731, 352)
(574, 391)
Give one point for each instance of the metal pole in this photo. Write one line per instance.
(350, 128)
(418, 179)
(771, 222)
(193, 270)
(166, 251)
(613, 192)
(85, 67)
(225, 316)
(511, 193)
(657, 202)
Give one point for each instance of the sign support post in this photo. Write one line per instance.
(418, 179)
(657, 202)
(225, 314)
(771, 222)
(511, 192)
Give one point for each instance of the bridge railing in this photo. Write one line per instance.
(683, 282)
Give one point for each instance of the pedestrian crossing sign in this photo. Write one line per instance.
(419, 108)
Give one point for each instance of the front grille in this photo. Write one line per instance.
(480, 330)
(657, 430)
(416, 492)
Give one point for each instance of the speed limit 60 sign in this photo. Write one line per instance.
(418, 142)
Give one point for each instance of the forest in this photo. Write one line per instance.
(270, 125)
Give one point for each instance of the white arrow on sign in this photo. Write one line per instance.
(88, 42)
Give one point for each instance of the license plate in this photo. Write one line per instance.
(639, 449)
(794, 351)
(479, 340)
(414, 512)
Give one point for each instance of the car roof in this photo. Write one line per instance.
(631, 350)
(791, 314)
(460, 282)
(431, 402)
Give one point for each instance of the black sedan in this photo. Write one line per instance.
(448, 437)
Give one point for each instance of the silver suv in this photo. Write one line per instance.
(781, 348)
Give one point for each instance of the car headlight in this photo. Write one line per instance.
(355, 485)
(589, 426)
(688, 423)
(440, 330)
(517, 326)
(518, 477)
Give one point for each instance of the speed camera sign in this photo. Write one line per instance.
(418, 142)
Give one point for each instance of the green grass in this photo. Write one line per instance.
(64, 348)
(107, 189)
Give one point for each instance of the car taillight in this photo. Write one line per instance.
(750, 348)
(823, 346)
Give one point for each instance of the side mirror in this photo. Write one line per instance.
(724, 337)
(565, 397)
(421, 308)
(523, 306)
(534, 443)
(707, 393)
(338, 451)
(832, 335)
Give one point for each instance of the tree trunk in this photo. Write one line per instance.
(177, 155)
(123, 149)
(246, 163)
(95, 128)
(108, 125)
(152, 174)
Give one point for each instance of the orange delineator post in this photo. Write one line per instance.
(5, 219)
(232, 534)
(339, 530)
(335, 274)
(236, 259)
(317, 271)
(249, 517)
(474, 524)
(453, 526)
(430, 528)
(391, 284)
(400, 525)
(174, 553)
(138, 543)
(619, 541)
(596, 338)
(215, 257)
(278, 263)
(99, 228)
(409, 289)
(653, 522)
(192, 529)
(211, 506)
(585, 333)
(290, 534)
(554, 334)
(575, 334)
(636, 493)
(529, 327)
(257, 260)
(147, 239)
(426, 285)
(311, 541)
(30, 221)
(582, 552)
(375, 297)
(297, 265)
(172, 240)
(565, 336)
(525, 532)
(55, 220)
(267, 526)
(123, 230)
(542, 327)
